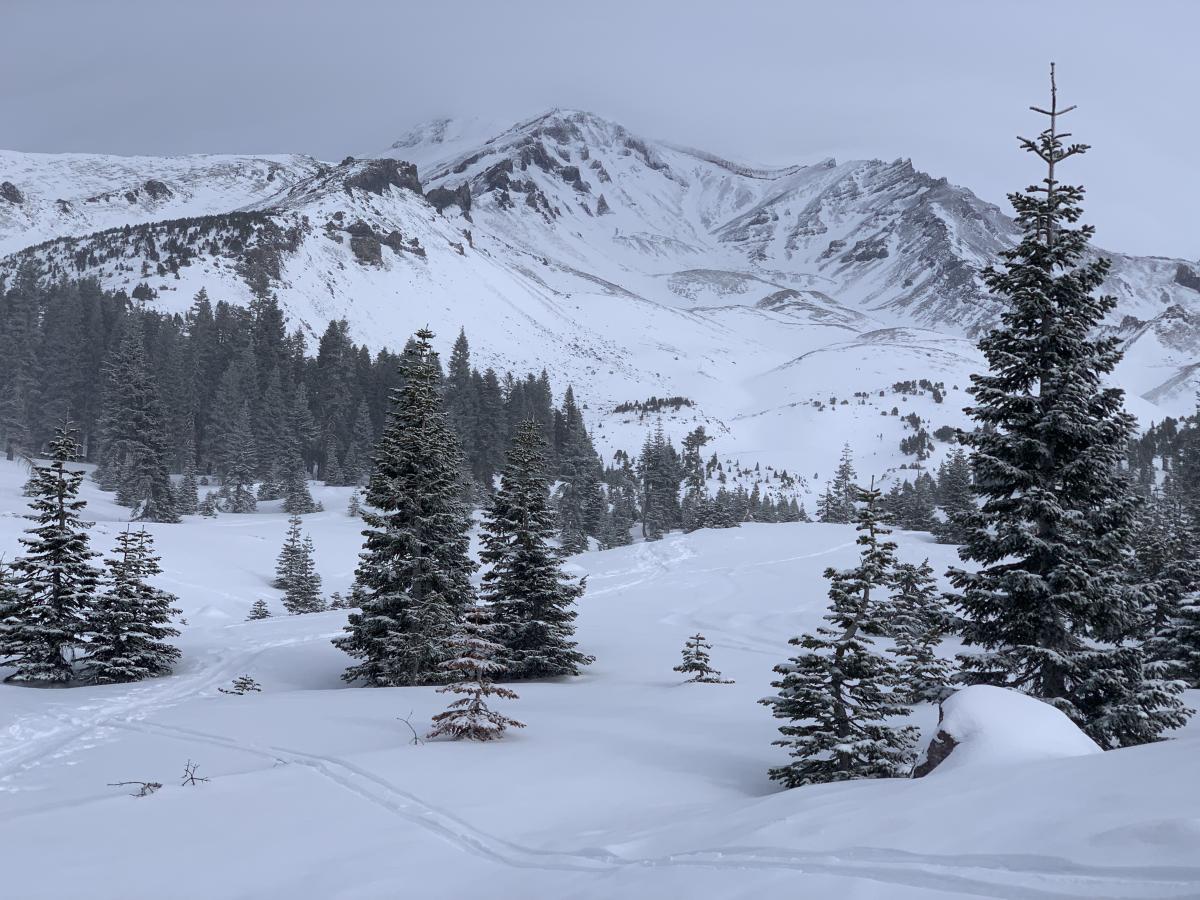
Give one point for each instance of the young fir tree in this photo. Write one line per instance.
(287, 563)
(837, 695)
(208, 506)
(533, 599)
(919, 622)
(414, 574)
(470, 669)
(258, 610)
(133, 429)
(354, 507)
(297, 499)
(302, 590)
(696, 663)
(1048, 609)
(132, 620)
(955, 497)
(55, 580)
(837, 504)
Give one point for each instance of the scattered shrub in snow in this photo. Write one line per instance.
(243, 684)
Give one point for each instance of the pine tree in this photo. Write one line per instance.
(297, 499)
(1049, 609)
(208, 506)
(837, 504)
(258, 610)
(955, 497)
(187, 493)
(287, 563)
(471, 666)
(241, 461)
(302, 589)
(534, 600)
(919, 622)
(354, 507)
(695, 511)
(132, 619)
(838, 693)
(55, 580)
(413, 579)
(133, 429)
(696, 662)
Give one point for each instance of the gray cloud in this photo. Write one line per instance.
(946, 83)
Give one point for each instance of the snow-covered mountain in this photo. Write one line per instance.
(626, 266)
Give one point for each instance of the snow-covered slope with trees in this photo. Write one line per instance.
(625, 782)
(626, 266)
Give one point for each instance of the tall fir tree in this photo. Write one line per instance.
(56, 582)
(839, 693)
(133, 432)
(187, 492)
(241, 460)
(533, 599)
(1048, 608)
(129, 629)
(414, 574)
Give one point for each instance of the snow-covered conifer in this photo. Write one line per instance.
(533, 599)
(302, 588)
(258, 610)
(55, 580)
(471, 668)
(414, 574)
(919, 622)
(839, 693)
(1049, 608)
(696, 663)
(128, 630)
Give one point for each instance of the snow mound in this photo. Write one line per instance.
(983, 725)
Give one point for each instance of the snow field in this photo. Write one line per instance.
(626, 782)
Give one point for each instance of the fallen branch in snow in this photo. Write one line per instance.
(189, 773)
(147, 787)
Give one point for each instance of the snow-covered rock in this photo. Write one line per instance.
(983, 725)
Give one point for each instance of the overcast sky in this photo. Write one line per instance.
(945, 83)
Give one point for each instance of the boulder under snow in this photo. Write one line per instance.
(983, 725)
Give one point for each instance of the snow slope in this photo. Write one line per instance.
(626, 783)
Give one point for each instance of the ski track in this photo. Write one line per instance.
(1017, 877)
(30, 739)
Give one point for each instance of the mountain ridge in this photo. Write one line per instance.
(624, 265)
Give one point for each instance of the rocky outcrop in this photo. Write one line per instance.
(1184, 275)
(374, 176)
(9, 192)
(441, 198)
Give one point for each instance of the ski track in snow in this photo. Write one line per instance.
(1019, 877)
(53, 733)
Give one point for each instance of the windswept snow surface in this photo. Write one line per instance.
(626, 783)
